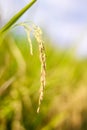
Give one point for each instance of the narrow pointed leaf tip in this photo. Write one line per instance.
(16, 17)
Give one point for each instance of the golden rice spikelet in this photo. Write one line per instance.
(36, 31)
(38, 36)
(28, 31)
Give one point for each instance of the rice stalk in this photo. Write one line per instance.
(18, 56)
(5, 86)
(17, 108)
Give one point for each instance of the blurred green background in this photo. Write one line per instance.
(64, 106)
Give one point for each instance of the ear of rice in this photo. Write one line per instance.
(28, 31)
(36, 31)
(38, 36)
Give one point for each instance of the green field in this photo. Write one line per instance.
(64, 104)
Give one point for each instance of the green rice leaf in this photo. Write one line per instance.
(16, 17)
